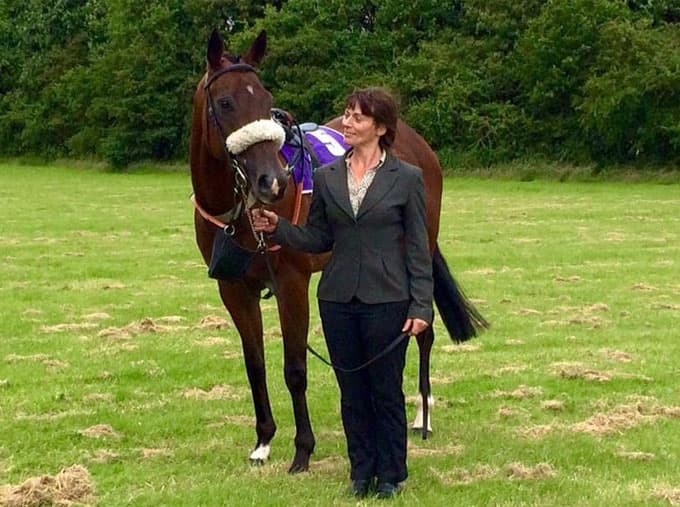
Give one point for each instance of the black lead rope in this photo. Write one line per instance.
(387, 350)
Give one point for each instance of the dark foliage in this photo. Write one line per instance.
(576, 80)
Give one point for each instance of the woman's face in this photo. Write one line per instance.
(360, 130)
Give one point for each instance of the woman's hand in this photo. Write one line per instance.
(414, 326)
(264, 220)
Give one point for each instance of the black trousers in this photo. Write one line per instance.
(372, 400)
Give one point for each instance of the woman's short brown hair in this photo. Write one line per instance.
(380, 105)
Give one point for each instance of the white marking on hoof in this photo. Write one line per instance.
(418, 422)
(260, 454)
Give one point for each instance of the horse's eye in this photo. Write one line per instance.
(226, 104)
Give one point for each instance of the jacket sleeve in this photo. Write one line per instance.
(418, 258)
(316, 235)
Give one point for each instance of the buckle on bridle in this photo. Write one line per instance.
(261, 243)
(239, 174)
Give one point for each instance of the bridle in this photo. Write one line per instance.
(235, 143)
(240, 178)
(235, 67)
(263, 130)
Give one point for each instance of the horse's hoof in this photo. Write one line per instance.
(300, 462)
(257, 462)
(297, 468)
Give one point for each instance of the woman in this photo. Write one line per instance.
(368, 207)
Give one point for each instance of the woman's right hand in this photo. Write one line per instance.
(264, 220)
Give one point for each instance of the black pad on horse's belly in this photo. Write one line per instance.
(229, 260)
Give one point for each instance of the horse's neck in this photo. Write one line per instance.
(211, 179)
(213, 184)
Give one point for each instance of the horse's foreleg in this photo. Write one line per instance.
(425, 401)
(244, 308)
(293, 303)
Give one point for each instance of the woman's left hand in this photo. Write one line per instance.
(414, 326)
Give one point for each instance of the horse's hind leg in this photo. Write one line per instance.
(244, 308)
(425, 401)
(293, 306)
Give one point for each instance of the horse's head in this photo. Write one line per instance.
(237, 117)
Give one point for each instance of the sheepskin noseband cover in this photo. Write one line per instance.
(253, 133)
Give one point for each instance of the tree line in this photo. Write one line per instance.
(482, 80)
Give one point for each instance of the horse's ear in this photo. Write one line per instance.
(257, 50)
(215, 49)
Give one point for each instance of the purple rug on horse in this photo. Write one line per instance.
(327, 145)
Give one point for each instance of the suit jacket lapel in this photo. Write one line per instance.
(384, 180)
(337, 186)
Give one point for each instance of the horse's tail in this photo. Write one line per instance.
(461, 318)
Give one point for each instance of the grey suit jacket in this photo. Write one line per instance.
(382, 254)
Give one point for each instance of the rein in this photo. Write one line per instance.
(381, 354)
(222, 221)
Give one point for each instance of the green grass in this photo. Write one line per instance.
(581, 282)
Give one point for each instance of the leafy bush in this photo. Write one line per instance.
(631, 103)
(484, 80)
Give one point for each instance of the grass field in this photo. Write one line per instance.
(116, 355)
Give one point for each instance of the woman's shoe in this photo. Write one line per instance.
(360, 487)
(387, 490)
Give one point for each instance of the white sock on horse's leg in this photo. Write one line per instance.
(418, 422)
(260, 454)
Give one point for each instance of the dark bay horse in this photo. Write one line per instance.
(235, 164)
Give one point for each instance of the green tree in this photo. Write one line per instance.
(491, 79)
(553, 61)
(631, 102)
(43, 41)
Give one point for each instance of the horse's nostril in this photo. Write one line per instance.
(271, 186)
(264, 182)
